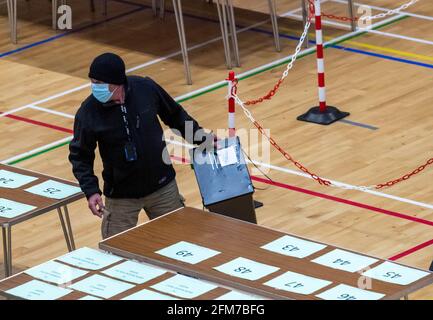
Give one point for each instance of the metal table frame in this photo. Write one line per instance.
(7, 236)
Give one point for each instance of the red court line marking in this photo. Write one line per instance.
(38, 123)
(412, 250)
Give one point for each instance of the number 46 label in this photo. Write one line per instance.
(187, 252)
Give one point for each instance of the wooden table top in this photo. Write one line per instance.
(42, 204)
(22, 278)
(235, 238)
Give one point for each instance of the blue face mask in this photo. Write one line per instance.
(101, 92)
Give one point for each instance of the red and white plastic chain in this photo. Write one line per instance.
(274, 90)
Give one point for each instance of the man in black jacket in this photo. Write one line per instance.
(121, 117)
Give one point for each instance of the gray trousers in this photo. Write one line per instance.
(122, 214)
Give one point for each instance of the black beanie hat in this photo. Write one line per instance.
(108, 68)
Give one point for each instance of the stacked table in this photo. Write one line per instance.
(25, 194)
(263, 261)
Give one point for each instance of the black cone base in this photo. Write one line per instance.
(331, 115)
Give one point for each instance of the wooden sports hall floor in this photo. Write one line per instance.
(382, 78)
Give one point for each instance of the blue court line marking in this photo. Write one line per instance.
(64, 34)
(359, 124)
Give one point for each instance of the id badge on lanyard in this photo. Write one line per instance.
(130, 149)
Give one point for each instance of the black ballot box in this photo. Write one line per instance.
(224, 181)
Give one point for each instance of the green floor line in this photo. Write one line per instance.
(225, 84)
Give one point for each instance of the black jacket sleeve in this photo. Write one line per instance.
(82, 156)
(175, 116)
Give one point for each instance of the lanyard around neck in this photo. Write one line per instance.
(126, 122)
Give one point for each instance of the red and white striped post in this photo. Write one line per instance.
(231, 105)
(321, 114)
(320, 55)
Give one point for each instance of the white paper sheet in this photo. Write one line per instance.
(246, 269)
(101, 286)
(395, 273)
(345, 292)
(293, 247)
(38, 290)
(134, 272)
(55, 272)
(10, 209)
(54, 190)
(89, 259)
(184, 287)
(297, 283)
(344, 260)
(12, 180)
(187, 252)
(90, 298)
(148, 295)
(227, 156)
(236, 295)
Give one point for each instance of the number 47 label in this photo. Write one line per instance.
(297, 283)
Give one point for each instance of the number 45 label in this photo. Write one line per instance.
(395, 273)
(188, 252)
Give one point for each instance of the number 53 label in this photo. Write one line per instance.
(246, 269)
(188, 252)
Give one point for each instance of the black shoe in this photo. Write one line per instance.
(431, 267)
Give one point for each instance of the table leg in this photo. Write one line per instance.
(54, 14)
(273, 14)
(181, 30)
(161, 9)
(65, 233)
(12, 16)
(69, 226)
(7, 250)
(406, 297)
(223, 25)
(154, 8)
(233, 33)
(352, 15)
(305, 10)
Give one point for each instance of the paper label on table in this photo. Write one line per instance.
(297, 283)
(54, 190)
(187, 252)
(184, 287)
(89, 259)
(246, 269)
(293, 247)
(101, 286)
(227, 156)
(10, 209)
(148, 295)
(134, 272)
(38, 290)
(345, 292)
(55, 272)
(395, 273)
(236, 295)
(13, 180)
(344, 260)
(90, 298)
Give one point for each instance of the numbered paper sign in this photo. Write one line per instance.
(345, 292)
(89, 259)
(10, 209)
(101, 286)
(187, 252)
(237, 295)
(395, 273)
(293, 247)
(297, 283)
(246, 269)
(148, 295)
(14, 180)
(38, 290)
(134, 272)
(227, 156)
(89, 298)
(55, 272)
(344, 260)
(184, 287)
(54, 190)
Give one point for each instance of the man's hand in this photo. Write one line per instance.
(96, 205)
